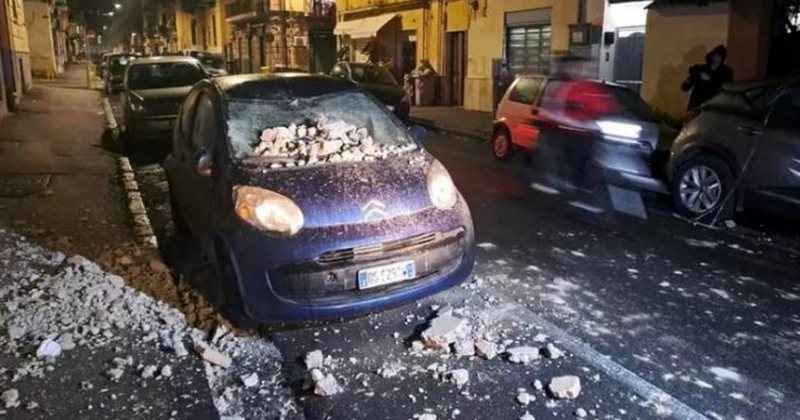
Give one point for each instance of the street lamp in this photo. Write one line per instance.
(117, 6)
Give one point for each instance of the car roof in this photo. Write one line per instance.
(758, 84)
(560, 78)
(166, 59)
(265, 86)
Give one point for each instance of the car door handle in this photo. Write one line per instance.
(749, 130)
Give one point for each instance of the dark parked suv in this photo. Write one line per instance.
(741, 150)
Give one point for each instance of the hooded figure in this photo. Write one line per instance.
(705, 80)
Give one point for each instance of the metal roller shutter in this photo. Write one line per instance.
(528, 49)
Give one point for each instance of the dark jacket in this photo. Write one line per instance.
(705, 88)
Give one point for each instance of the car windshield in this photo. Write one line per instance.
(336, 127)
(630, 102)
(117, 64)
(163, 75)
(372, 74)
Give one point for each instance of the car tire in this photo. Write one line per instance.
(501, 144)
(701, 189)
(228, 293)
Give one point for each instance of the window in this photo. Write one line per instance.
(213, 30)
(525, 90)
(786, 110)
(163, 75)
(204, 130)
(194, 32)
(528, 49)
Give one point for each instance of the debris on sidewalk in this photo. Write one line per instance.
(444, 330)
(459, 377)
(552, 352)
(314, 360)
(250, 380)
(523, 397)
(523, 354)
(527, 416)
(324, 385)
(581, 413)
(486, 349)
(565, 387)
(48, 348)
(212, 356)
(10, 398)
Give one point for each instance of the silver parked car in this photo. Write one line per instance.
(741, 150)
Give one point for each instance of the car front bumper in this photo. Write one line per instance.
(313, 275)
(629, 166)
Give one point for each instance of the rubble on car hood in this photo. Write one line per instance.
(321, 142)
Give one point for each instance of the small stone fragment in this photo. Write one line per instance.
(417, 345)
(10, 398)
(87, 386)
(115, 373)
(444, 330)
(48, 348)
(537, 385)
(212, 356)
(324, 385)
(33, 405)
(527, 416)
(580, 413)
(250, 380)
(486, 349)
(314, 360)
(552, 352)
(523, 354)
(166, 371)
(457, 376)
(565, 387)
(427, 416)
(148, 371)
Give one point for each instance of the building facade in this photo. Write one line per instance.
(14, 52)
(48, 24)
(268, 34)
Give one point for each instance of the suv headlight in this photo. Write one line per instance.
(620, 132)
(442, 191)
(267, 210)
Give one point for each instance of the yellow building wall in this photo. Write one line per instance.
(183, 28)
(486, 40)
(458, 15)
(672, 45)
(19, 32)
(213, 25)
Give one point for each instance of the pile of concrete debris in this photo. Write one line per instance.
(323, 142)
(55, 304)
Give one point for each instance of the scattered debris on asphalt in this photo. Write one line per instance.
(552, 352)
(322, 141)
(444, 330)
(324, 385)
(212, 356)
(314, 360)
(48, 348)
(523, 354)
(459, 377)
(10, 398)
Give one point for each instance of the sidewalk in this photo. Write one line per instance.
(476, 125)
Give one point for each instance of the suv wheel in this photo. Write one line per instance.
(501, 144)
(701, 188)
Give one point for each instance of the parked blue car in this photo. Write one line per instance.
(314, 201)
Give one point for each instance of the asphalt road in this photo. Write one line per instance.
(658, 317)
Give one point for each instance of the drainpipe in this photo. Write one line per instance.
(581, 11)
(284, 41)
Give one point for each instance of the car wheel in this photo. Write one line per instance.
(177, 217)
(701, 188)
(501, 144)
(228, 293)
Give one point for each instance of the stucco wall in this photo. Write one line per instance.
(677, 38)
(486, 39)
(40, 39)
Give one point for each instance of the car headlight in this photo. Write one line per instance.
(621, 132)
(441, 189)
(267, 210)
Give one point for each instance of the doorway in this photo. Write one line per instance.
(454, 71)
(323, 51)
(628, 57)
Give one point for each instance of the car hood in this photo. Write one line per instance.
(349, 193)
(388, 94)
(162, 101)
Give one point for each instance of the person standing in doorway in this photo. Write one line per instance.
(705, 80)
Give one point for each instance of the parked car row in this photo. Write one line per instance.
(741, 150)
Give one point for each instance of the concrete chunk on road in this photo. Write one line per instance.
(324, 385)
(552, 352)
(457, 376)
(523, 354)
(465, 347)
(445, 330)
(250, 380)
(486, 349)
(48, 348)
(565, 387)
(314, 360)
(212, 356)
(10, 398)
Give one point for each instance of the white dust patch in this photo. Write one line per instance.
(725, 374)
(721, 293)
(487, 246)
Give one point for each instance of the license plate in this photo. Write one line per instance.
(386, 274)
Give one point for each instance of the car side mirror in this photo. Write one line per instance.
(417, 133)
(203, 163)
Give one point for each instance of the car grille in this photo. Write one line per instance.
(377, 250)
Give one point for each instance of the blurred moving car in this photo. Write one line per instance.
(154, 89)
(313, 201)
(629, 142)
(377, 81)
(741, 150)
(114, 71)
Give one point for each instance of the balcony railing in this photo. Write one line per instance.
(244, 9)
